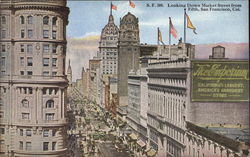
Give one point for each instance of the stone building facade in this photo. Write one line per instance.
(85, 82)
(177, 126)
(202, 142)
(138, 101)
(167, 103)
(133, 109)
(108, 54)
(94, 67)
(33, 81)
(128, 55)
(108, 51)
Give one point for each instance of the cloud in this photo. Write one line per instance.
(89, 36)
(161, 22)
(80, 51)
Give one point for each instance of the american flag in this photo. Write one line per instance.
(132, 4)
(172, 29)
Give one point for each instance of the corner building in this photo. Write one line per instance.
(33, 81)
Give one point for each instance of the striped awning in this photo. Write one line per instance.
(141, 143)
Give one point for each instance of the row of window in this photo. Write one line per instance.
(26, 90)
(46, 62)
(109, 72)
(110, 53)
(48, 116)
(112, 50)
(50, 91)
(169, 105)
(28, 146)
(29, 90)
(29, 48)
(107, 62)
(46, 48)
(45, 73)
(109, 67)
(30, 61)
(109, 58)
(29, 132)
(49, 104)
(30, 34)
(45, 20)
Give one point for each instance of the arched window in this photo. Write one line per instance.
(21, 19)
(54, 20)
(50, 104)
(30, 19)
(25, 103)
(3, 20)
(46, 20)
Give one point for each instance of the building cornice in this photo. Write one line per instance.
(63, 10)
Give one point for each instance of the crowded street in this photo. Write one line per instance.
(94, 132)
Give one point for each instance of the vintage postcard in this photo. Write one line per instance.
(124, 78)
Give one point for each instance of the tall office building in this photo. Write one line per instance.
(33, 81)
(128, 54)
(108, 51)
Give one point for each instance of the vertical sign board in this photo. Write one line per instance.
(220, 81)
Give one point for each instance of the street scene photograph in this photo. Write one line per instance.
(124, 78)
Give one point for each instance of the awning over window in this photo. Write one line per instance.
(151, 153)
(133, 136)
(141, 143)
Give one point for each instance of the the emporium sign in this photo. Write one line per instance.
(220, 81)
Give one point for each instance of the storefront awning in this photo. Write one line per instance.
(133, 136)
(141, 143)
(151, 153)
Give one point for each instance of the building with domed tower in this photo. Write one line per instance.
(33, 81)
(108, 51)
(108, 54)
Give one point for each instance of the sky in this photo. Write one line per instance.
(87, 18)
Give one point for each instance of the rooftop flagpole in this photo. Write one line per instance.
(110, 8)
(185, 25)
(158, 42)
(169, 47)
(184, 45)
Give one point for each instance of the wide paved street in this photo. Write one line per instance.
(93, 131)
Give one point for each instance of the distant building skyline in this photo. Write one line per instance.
(83, 37)
(209, 24)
